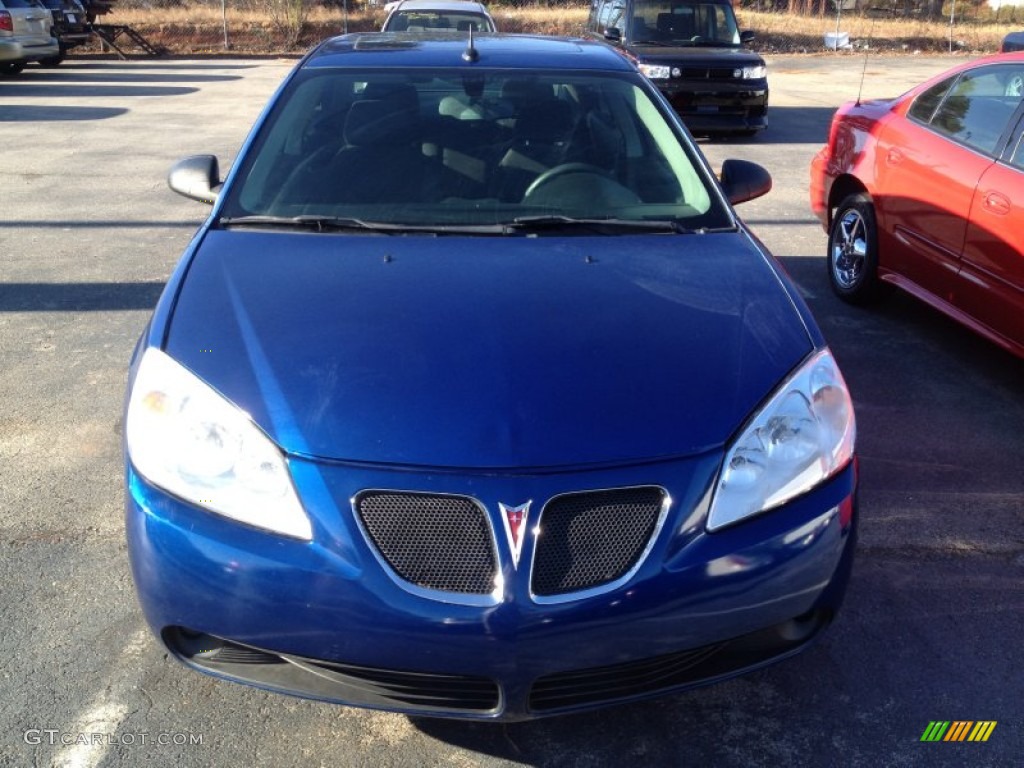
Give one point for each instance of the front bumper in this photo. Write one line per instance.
(711, 107)
(323, 619)
(820, 187)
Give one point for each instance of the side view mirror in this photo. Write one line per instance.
(743, 181)
(747, 36)
(196, 177)
(613, 35)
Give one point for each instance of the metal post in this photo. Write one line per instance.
(952, 14)
(224, 22)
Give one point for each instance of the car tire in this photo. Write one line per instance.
(852, 258)
(53, 61)
(11, 69)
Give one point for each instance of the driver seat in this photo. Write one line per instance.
(543, 133)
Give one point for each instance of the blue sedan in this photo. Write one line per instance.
(474, 398)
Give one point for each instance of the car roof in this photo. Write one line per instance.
(441, 5)
(526, 52)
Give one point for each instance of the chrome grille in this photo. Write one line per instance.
(595, 538)
(709, 73)
(435, 542)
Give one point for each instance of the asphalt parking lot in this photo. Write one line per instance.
(933, 627)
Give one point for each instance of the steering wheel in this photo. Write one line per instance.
(565, 169)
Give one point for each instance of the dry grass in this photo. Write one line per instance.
(788, 33)
(197, 29)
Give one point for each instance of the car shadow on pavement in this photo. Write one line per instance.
(79, 297)
(789, 125)
(901, 328)
(25, 113)
(88, 90)
(72, 64)
(74, 76)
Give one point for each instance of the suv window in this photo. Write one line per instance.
(610, 14)
(682, 23)
(17, 4)
(977, 107)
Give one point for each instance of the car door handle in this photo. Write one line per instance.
(997, 203)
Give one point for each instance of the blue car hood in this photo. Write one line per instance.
(504, 352)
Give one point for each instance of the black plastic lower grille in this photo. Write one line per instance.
(419, 689)
(593, 538)
(684, 669)
(617, 682)
(349, 683)
(432, 541)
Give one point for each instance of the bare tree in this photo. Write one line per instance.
(288, 16)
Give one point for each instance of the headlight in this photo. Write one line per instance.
(192, 442)
(654, 71)
(801, 437)
(758, 72)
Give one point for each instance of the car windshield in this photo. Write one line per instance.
(662, 22)
(435, 21)
(459, 149)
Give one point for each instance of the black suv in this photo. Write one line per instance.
(693, 51)
(69, 26)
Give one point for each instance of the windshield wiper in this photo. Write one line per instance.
(344, 224)
(598, 225)
(521, 225)
(318, 223)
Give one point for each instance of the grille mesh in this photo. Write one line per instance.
(435, 542)
(590, 539)
(709, 73)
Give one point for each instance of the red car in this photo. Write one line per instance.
(926, 192)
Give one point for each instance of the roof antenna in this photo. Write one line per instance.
(864, 71)
(471, 53)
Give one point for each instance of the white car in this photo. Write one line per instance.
(437, 15)
(26, 34)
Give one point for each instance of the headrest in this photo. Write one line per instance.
(665, 22)
(522, 93)
(403, 94)
(376, 122)
(546, 122)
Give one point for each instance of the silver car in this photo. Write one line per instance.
(26, 34)
(434, 16)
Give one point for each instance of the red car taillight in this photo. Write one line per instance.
(6, 22)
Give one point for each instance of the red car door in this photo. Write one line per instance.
(991, 285)
(928, 166)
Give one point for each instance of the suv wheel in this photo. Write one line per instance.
(12, 69)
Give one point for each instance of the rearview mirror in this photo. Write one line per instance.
(747, 36)
(743, 181)
(196, 177)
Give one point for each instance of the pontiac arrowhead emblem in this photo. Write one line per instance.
(515, 523)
